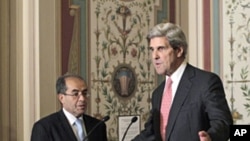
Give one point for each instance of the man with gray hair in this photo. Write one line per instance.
(190, 105)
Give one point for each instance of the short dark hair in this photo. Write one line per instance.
(61, 84)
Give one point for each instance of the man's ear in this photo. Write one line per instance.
(180, 51)
(60, 97)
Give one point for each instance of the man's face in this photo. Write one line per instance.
(76, 105)
(164, 57)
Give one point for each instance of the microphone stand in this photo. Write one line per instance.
(134, 119)
(90, 132)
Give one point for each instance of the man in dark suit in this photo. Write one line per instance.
(61, 126)
(198, 108)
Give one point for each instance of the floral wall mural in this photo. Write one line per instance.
(121, 75)
(236, 60)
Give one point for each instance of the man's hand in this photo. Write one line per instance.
(204, 136)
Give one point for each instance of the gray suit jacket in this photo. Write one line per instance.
(199, 104)
(56, 127)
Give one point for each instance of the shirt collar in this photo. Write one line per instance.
(178, 73)
(71, 118)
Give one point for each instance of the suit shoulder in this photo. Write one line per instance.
(49, 119)
(201, 72)
(91, 119)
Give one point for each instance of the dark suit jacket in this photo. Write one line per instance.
(56, 127)
(199, 104)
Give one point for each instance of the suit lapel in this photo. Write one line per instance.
(87, 124)
(180, 96)
(66, 127)
(157, 97)
(159, 92)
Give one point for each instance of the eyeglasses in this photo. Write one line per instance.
(77, 94)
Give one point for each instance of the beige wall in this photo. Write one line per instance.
(189, 17)
(29, 61)
(4, 70)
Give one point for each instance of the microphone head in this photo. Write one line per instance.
(106, 118)
(134, 119)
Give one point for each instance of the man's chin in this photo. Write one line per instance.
(160, 72)
(81, 111)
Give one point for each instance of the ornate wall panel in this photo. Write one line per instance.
(121, 75)
(111, 44)
(236, 57)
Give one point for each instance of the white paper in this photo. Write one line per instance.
(133, 130)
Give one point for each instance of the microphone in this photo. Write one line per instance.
(106, 118)
(134, 119)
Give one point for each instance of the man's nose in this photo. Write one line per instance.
(155, 55)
